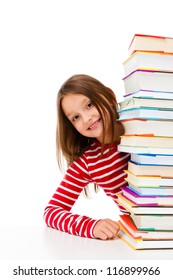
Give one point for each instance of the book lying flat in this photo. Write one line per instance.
(149, 94)
(144, 42)
(147, 199)
(136, 102)
(148, 60)
(147, 141)
(146, 113)
(157, 191)
(153, 222)
(143, 209)
(150, 181)
(143, 244)
(128, 224)
(144, 150)
(150, 169)
(148, 80)
(148, 127)
(152, 159)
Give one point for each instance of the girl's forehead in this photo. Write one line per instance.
(73, 102)
(80, 98)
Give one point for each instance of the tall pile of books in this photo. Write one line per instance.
(147, 115)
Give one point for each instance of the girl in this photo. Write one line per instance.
(87, 136)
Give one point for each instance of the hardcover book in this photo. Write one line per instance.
(126, 222)
(150, 181)
(152, 159)
(144, 209)
(147, 190)
(144, 150)
(146, 113)
(148, 127)
(143, 42)
(153, 222)
(147, 199)
(141, 243)
(148, 60)
(136, 102)
(150, 169)
(148, 80)
(149, 94)
(147, 141)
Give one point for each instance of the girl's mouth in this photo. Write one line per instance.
(94, 125)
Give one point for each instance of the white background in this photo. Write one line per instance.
(42, 43)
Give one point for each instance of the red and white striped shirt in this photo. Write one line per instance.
(107, 171)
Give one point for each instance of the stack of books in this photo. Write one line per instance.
(147, 116)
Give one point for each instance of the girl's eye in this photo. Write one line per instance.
(75, 118)
(89, 105)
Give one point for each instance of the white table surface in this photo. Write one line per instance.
(43, 243)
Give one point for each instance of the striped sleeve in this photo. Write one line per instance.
(57, 213)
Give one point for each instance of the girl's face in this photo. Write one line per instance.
(83, 115)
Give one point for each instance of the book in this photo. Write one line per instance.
(126, 222)
(148, 80)
(145, 150)
(150, 169)
(147, 199)
(143, 244)
(143, 42)
(149, 94)
(152, 159)
(136, 102)
(148, 181)
(134, 208)
(147, 141)
(148, 60)
(153, 222)
(146, 113)
(155, 190)
(148, 127)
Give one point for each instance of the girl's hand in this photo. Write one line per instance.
(106, 229)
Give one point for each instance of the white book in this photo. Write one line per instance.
(144, 209)
(148, 60)
(144, 42)
(147, 141)
(148, 80)
(153, 222)
(150, 169)
(126, 223)
(152, 159)
(146, 113)
(144, 150)
(140, 102)
(162, 191)
(142, 244)
(150, 94)
(148, 127)
(150, 181)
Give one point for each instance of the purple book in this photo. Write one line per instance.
(147, 200)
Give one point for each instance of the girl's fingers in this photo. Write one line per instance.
(106, 229)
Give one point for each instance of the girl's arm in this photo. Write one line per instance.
(57, 213)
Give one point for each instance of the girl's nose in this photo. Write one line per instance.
(86, 118)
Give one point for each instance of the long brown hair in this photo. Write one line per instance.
(69, 142)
